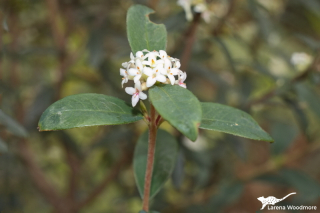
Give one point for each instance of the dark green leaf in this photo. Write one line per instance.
(143, 34)
(12, 126)
(164, 161)
(233, 121)
(179, 107)
(87, 110)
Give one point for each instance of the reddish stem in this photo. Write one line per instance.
(150, 160)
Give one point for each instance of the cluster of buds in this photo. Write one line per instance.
(147, 68)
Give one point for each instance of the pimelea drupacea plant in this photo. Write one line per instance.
(154, 72)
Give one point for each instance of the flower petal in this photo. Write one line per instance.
(151, 81)
(130, 90)
(133, 71)
(148, 71)
(137, 78)
(177, 64)
(139, 54)
(131, 56)
(142, 96)
(139, 65)
(172, 79)
(161, 78)
(135, 99)
(123, 72)
(162, 54)
(175, 71)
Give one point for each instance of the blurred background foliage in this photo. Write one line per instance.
(261, 56)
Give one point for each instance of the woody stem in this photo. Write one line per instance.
(150, 159)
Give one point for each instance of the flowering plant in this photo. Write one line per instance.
(150, 68)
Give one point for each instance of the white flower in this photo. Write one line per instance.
(125, 75)
(132, 58)
(177, 64)
(136, 93)
(152, 59)
(155, 75)
(163, 54)
(147, 68)
(139, 54)
(136, 72)
(171, 72)
(181, 79)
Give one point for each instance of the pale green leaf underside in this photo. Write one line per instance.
(12, 126)
(233, 121)
(143, 34)
(164, 160)
(87, 110)
(179, 107)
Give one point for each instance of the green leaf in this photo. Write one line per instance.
(179, 107)
(87, 110)
(233, 121)
(164, 160)
(12, 126)
(142, 211)
(143, 34)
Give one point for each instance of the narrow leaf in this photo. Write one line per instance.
(179, 107)
(233, 121)
(143, 34)
(87, 110)
(12, 126)
(164, 160)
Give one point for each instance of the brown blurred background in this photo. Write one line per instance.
(261, 56)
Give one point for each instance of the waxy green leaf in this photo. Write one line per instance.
(179, 107)
(233, 121)
(143, 34)
(164, 160)
(87, 110)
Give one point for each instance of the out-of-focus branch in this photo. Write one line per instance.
(60, 39)
(74, 165)
(217, 30)
(110, 176)
(315, 63)
(47, 190)
(271, 165)
(189, 39)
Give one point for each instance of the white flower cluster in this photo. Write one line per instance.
(147, 68)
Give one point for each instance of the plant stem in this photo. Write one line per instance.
(151, 150)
